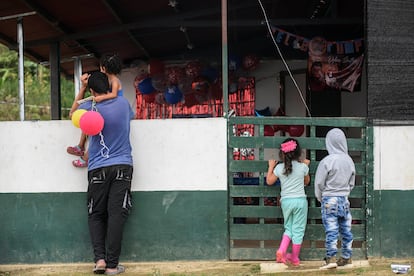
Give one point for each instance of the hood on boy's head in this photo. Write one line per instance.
(98, 82)
(336, 141)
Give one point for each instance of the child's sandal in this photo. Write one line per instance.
(80, 163)
(76, 150)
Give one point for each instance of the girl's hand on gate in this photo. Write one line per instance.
(272, 164)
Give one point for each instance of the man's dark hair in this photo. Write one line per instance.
(98, 82)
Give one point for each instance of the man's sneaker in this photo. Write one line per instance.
(329, 263)
(344, 262)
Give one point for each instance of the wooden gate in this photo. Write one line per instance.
(255, 216)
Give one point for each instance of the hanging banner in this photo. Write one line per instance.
(331, 64)
(339, 69)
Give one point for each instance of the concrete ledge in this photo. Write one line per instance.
(305, 266)
(273, 268)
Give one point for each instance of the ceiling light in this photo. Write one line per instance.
(172, 3)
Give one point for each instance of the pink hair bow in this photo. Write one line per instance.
(288, 146)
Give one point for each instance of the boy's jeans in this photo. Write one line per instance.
(336, 218)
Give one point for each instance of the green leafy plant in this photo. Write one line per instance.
(37, 89)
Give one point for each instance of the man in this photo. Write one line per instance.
(110, 170)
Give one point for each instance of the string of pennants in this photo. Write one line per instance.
(354, 46)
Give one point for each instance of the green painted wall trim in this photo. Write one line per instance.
(176, 225)
(52, 227)
(393, 220)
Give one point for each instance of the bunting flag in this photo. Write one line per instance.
(354, 46)
(331, 64)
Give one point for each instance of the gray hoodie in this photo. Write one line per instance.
(335, 175)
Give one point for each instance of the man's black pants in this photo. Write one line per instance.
(109, 204)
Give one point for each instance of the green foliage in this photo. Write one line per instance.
(37, 89)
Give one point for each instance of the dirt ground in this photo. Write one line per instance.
(377, 267)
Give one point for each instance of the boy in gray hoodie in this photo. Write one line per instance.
(334, 180)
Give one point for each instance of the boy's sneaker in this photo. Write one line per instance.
(330, 262)
(344, 262)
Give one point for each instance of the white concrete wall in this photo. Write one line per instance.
(393, 158)
(184, 154)
(178, 154)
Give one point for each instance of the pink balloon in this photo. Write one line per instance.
(91, 123)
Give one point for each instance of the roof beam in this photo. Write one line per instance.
(110, 6)
(11, 44)
(54, 22)
(168, 23)
(163, 22)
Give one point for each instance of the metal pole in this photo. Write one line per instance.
(20, 41)
(77, 74)
(55, 89)
(224, 58)
(21, 66)
(7, 17)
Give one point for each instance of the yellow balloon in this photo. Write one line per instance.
(76, 117)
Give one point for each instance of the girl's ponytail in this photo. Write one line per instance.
(289, 151)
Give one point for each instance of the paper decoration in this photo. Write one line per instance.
(328, 70)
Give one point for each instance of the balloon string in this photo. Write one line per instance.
(104, 149)
(94, 108)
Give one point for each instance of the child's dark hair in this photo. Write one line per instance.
(288, 156)
(112, 63)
